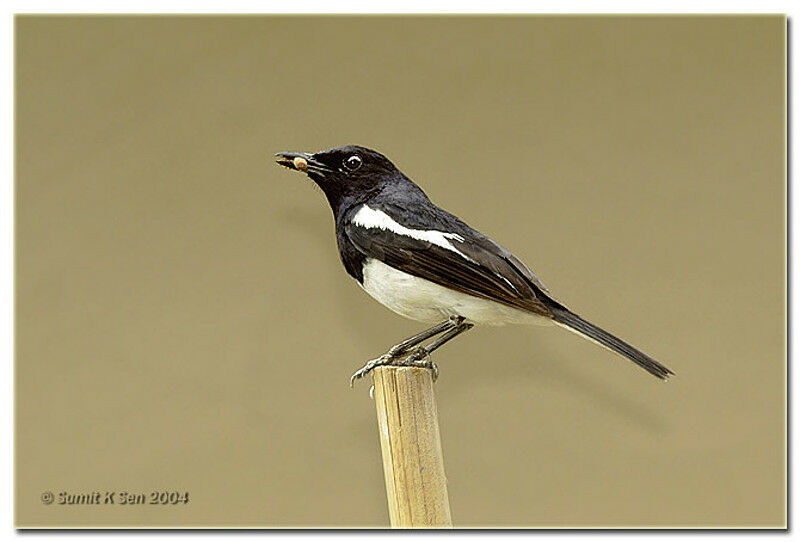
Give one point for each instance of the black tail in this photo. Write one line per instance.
(591, 331)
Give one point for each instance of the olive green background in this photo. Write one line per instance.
(184, 322)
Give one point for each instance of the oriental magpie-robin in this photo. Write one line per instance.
(425, 264)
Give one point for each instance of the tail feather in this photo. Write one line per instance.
(575, 323)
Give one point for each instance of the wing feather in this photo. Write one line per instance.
(477, 266)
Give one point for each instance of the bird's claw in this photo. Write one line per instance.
(419, 357)
(385, 359)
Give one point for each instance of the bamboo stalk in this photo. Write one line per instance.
(416, 486)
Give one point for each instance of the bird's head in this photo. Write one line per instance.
(343, 172)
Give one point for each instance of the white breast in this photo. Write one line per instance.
(425, 301)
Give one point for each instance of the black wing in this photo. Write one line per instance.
(477, 265)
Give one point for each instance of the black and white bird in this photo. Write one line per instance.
(427, 265)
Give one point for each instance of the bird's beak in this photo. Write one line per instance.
(301, 161)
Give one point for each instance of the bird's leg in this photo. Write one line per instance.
(411, 342)
(424, 352)
(390, 357)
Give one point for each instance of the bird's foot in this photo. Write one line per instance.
(385, 359)
(419, 357)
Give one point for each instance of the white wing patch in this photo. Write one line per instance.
(367, 217)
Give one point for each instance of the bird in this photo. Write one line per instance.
(427, 265)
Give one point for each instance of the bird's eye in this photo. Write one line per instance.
(353, 163)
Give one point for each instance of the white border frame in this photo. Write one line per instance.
(311, 6)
